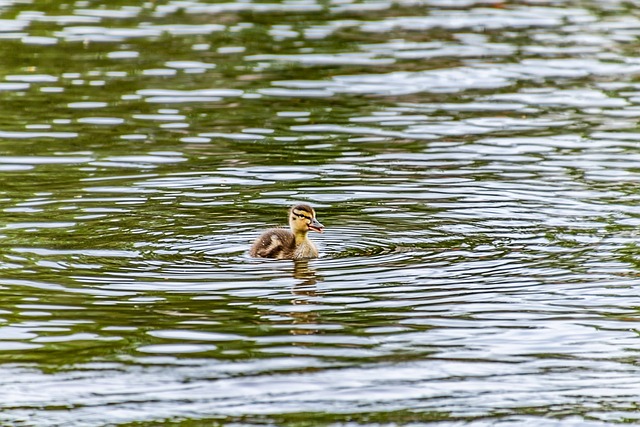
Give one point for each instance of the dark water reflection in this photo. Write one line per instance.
(475, 164)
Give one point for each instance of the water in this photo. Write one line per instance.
(475, 165)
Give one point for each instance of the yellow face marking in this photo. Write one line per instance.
(299, 214)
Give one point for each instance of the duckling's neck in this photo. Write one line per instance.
(300, 236)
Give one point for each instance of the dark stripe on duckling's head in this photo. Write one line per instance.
(304, 211)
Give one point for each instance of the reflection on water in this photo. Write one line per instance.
(475, 164)
(306, 294)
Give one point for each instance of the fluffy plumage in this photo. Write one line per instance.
(281, 243)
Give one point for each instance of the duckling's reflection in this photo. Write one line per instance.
(304, 290)
(306, 274)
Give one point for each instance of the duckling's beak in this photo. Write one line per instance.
(316, 226)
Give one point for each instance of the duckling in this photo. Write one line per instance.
(281, 243)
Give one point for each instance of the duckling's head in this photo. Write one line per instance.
(302, 218)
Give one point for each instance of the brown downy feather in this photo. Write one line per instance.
(274, 243)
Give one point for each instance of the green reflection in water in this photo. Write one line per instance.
(125, 214)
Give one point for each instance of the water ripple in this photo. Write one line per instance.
(474, 163)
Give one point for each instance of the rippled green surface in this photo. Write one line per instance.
(475, 164)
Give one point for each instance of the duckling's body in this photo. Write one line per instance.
(281, 243)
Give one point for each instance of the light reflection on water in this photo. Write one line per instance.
(474, 162)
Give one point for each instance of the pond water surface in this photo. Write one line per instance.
(476, 165)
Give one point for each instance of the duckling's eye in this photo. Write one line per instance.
(301, 216)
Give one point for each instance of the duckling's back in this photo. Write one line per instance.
(277, 243)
